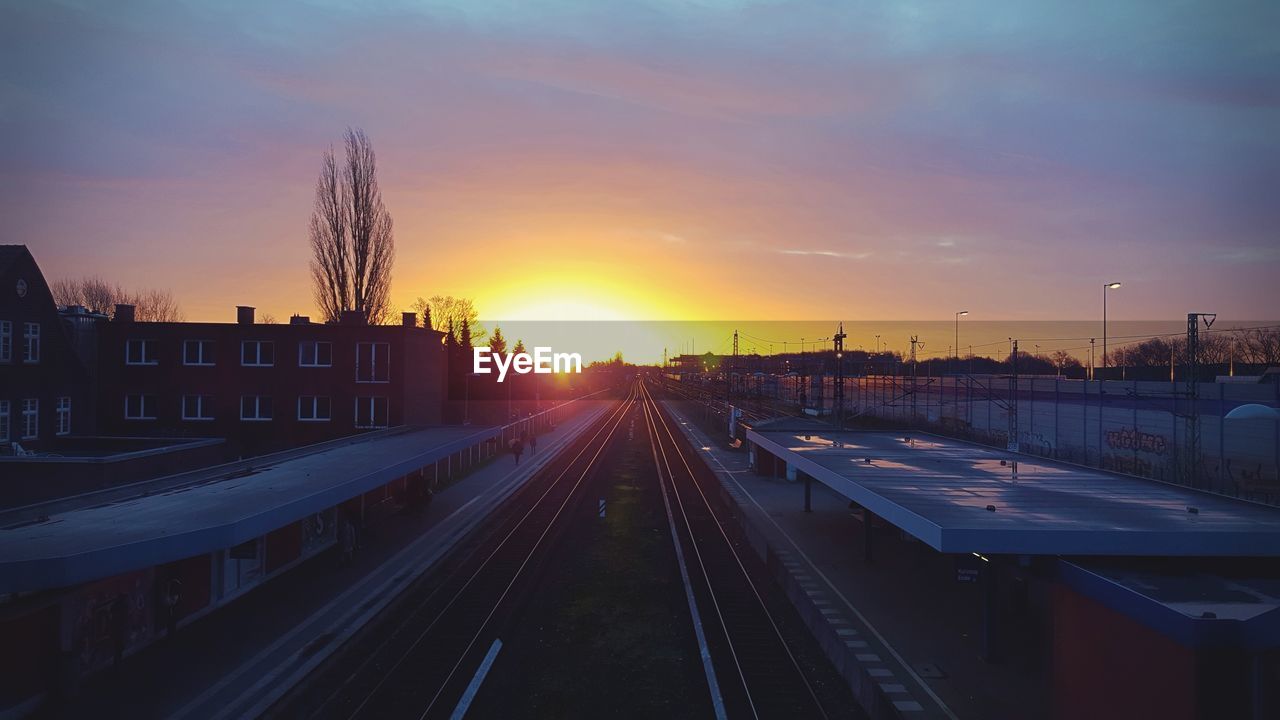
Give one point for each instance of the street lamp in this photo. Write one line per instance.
(1105, 288)
(962, 312)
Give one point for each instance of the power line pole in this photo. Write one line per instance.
(839, 346)
(1013, 398)
(1191, 467)
(728, 376)
(804, 377)
(915, 341)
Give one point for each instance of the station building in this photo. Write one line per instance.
(151, 472)
(1145, 598)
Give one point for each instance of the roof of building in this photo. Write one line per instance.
(9, 254)
(1197, 606)
(85, 543)
(960, 497)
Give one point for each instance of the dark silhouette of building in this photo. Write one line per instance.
(266, 387)
(260, 386)
(44, 385)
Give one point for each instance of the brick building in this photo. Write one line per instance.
(262, 387)
(266, 387)
(44, 385)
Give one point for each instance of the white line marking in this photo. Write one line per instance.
(717, 701)
(465, 703)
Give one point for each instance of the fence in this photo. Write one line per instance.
(1134, 427)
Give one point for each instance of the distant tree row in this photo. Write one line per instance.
(101, 296)
(1256, 346)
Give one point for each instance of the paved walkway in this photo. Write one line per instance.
(239, 659)
(904, 618)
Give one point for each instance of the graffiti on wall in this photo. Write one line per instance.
(1132, 466)
(1134, 439)
(110, 616)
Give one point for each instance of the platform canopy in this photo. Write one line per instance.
(86, 543)
(961, 497)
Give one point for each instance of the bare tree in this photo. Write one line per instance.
(352, 243)
(1258, 346)
(102, 296)
(1063, 359)
(441, 310)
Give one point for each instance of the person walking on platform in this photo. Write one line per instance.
(517, 447)
(533, 444)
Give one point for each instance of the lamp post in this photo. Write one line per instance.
(958, 315)
(1105, 288)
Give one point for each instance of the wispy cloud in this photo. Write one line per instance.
(884, 136)
(829, 253)
(1245, 255)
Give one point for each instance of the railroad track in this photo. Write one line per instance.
(428, 655)
(756, 672)
(750, 409)
(422, 667)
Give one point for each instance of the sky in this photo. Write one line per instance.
(662, 160)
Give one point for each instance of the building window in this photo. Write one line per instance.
(371, 412)
(197, 407)
(30, 418)
(139, 407)
(64, 415)
(372, 361)
(6, 341)
(31, 343)
(255, 407)
(140, 352)
(313, 353)
(4, 421)
(314, 408)
(259, 353)
(197, 352)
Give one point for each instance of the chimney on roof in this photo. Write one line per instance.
(353, 317)
(299, 320)
(124, 313)
(244, 315)
(409, 319)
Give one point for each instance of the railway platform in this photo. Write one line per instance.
(985, 582)
(903, 639)
(237, 661)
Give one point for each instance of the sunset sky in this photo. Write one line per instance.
(663, 160)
